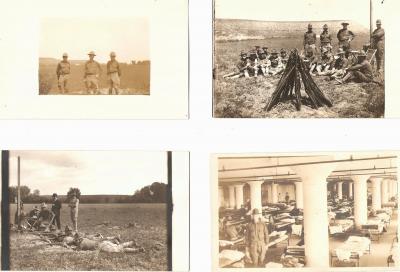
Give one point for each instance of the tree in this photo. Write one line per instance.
(36, 192)
(72, 191)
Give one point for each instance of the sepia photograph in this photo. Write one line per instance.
(94, 56)
(316, 210)
(299, 59)
(90, 210)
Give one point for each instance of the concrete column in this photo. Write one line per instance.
(340, 189)
(231, 196)
(384, 191)
(316, 237)
(376, 193)
(274, 192)
(255, 195)
(221, 196)
(350, 189)
(360, 200)
(239, 195)
(299, 195)
(269, 193)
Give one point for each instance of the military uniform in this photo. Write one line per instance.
(63, 71)
(56, 210)
(362, 72)
(92, 72)
(326, 40)
(74, 205)
(113, 73)
(310, 39)
(345, 36)
(257, 240)
(378, 43)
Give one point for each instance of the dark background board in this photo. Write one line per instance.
(5, 212)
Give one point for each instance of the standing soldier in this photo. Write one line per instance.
(92, 73)
(310, 38)
(113, 73)
(345, 36)
(378, 43)
(74, 205)
(63, 71)
(56, 210)
(325, 39)
(257, 239)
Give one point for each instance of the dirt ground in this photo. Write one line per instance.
(247, 97)
(149, 231)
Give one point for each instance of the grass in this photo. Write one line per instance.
(150, 232)
(135, 79)
(247, 97)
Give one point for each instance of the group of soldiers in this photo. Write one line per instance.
(91, 75)
(36, 217)
(345, 65)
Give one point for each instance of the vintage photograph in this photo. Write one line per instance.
(315, 210)
(89, 56)
(89, 210)
(299, 59)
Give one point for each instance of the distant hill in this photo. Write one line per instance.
(236, 29)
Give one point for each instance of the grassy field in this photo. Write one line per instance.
(135, 78)
(247, 97)
(150, 232)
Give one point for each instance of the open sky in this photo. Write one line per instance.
(127, 37)
(93, 172)
(295, 10)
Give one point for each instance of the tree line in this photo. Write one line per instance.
(155, 193)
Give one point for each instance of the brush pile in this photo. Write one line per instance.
(289, 86)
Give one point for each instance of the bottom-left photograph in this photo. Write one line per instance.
(93, 210)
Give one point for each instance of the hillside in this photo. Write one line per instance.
(236, 30)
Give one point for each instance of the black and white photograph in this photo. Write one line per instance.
(316, 210)
(299, 59)
(94, 56)
(91, 210)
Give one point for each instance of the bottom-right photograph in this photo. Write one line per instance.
(319, 210)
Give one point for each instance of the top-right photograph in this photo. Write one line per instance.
(298, 59)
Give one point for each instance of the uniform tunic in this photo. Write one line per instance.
(343, 36)
(63, 68)
(378, 43)
(310, 38)
(325, 38)
(92, 67)
(362, 71)
(257, 239)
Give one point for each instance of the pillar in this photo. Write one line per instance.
(274, 192)
(316, 237)
(360, 200)
(384, 191)
(231, 196)
(255, 195)
(350, 189)
(221, 196)
(269, 193)
(340, 189)
(376, 193)
(239, 195)
(299, 194)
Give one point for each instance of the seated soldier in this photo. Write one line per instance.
(263, 64)
(326, 62)
(33, 215)
(284, 57)
(360, 72)
(310, 59)
(265, 50)
(276, 64)
(241, 67)
(252, 66)
(341, 63)
(44, 215)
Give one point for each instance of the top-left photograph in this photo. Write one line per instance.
(94, 56)
(113, 59)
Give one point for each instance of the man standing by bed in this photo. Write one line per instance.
(257, 239)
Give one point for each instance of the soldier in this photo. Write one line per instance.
(92, 73)
(310, 38)
(63, 71)
(310, 59)
(264, 64)
(276, 64)
(74, 207)
(56, 210)
(325, 63)
(113, 73)
(378, 43)
(325, 39)
(339, 66)
(252, 65)
(345, 37)
(257, 239)
(284, 57)
(241, 66)
(265, 50)
(360, 72)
